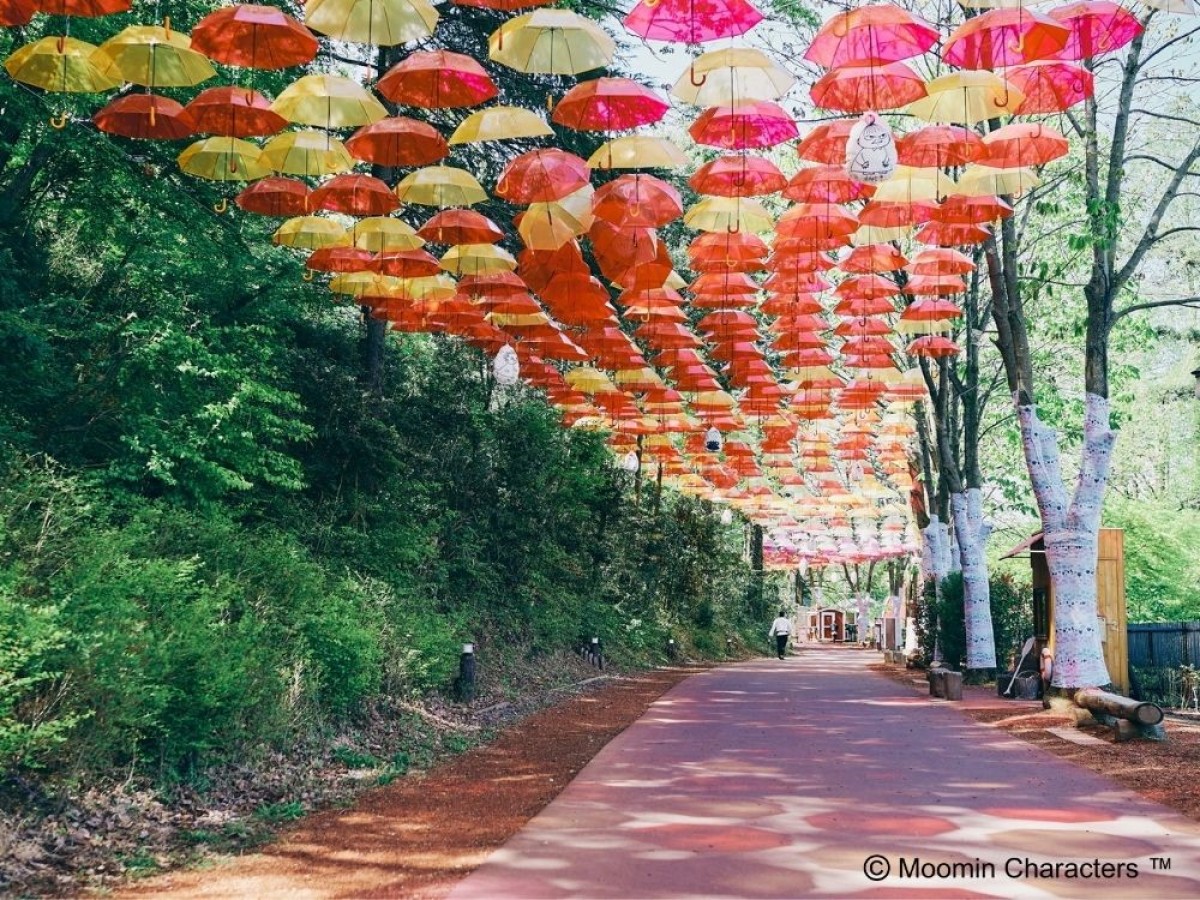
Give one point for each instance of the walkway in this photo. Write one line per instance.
(782, 779)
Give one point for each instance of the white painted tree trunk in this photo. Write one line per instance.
(936, 543)
(1072, 531)
(972, 535)
(863, 612)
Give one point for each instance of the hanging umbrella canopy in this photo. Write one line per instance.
(542, 175)
(1050, 87)
(355, 195)
(940, 234)
(310, 233)
(858, 89)
(940, 261)
(382, 233)
(254, 37)
(638, 152)
(909, 185)
(398, 142)
(939, 147)
(63, 65)
(377, 22)
(328, 101)
(732, 75)
(637, 200)
(978, 181)
(460, 226)
(157, 57)
(870, 35)
(729, 214)
(826, 184)
(414, 263)
(1023, 144)
(816, 220)
(1004, 37)
(144, 117)
(440, 186)
(500, 123)
(17, 13)
(275, 196)
(871, 258)
(738, 176)
(966, 98)
(307, 153)
(89, 9)
(547, 225)
(1096, 27)
(609, 104)
(826, 143)
(551, 42)
(750, 124)
(340, 260)
(437, 79)
(234, 112)
(224, 159)
(691, 21)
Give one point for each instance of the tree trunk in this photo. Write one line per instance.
(863, 612)
(977, 605)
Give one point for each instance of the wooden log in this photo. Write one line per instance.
(954, 685)
(1136, 711)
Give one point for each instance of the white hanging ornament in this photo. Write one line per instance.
(712, 440)
(506, 368)
(727, 517)
(871, 150)
(630, 462)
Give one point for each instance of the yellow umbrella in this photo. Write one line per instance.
(366, 284)
(909, 185)
(224, 159)
(380, 233)
(441, 187)
(966, 97)
(308, 153)
(428, 288)
(724, 77)
(157, 57)
(64, 65)
(499, 123)
(311, 233)
(589, 381)
(730, 214)
(980, 181)
(381, 22)
(675, 281)
(518, 320)
(874, 234)
(636, 152)
(549, 225)
(551, 42)
(477, 259)
(328, 101)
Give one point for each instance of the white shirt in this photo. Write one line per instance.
(780, 626)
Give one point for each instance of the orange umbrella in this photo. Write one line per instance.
(609, 104)
(234, 112)
(540, 176)
(857, 89)
(355, 195)
(144, 116)
(959, 210)
(826, 184)
(939, 147)
(740, 246)
(870, 35)
(812, 220)
(339, 260)
(254, 37)
(738, 176)
(437, 79)
(637, 200)
(934, 346)
(867, 286)
(1000, 38)
(89, 9)
(940, 261)
(826, 143)
(406, 264)
(1023, 144)
(460, 226)
(17, 13)
(941, 234)
(896, 215)
(934, 285)
(398, 142)
(873, 258)
(275, 196)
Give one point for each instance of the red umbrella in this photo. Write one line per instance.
(741, 246)
(939, 147)
(934, 285)
(398, 142)
(17, 13)
(1050, 87)
(691, 21)
(1023, 144)
(940, 261)
(932, 345)
(234, 112)
(406, 264)
(88, 9)
(826, 184)
(609, 104)
(339, 259)
(355, 195)
(813, 220)
(1000, 38)
(502, 5)
(637, 200)
(754, 123)
(896, 214)
(544, 175)
(858, 89)
(873, 258)
(460, 226)
(939, 234)
(738, 176)
(437, 79)
(254, 37)
(826, 143)
(870, 35)
(960, 210)
(275, 196)
(145, 116)
(1097, 27)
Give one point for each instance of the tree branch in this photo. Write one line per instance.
(1151, 231)
(1190, 302)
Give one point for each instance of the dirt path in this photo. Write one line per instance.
(417, 837)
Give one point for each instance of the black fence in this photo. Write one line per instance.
(1164, 644)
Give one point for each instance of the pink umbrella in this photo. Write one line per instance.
(755, 123)
(1000, 38)
(857, 89)
(1096, 26)
(870, 35)
(692, 21)
(1050, 86)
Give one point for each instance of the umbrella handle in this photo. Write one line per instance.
(733, 229)
(692, 77)
(650, 4)
(59, 122)
(307, 276)
(1000, 104)
(221, 206)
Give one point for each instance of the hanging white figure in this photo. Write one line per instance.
(870, 150)
(506, 368)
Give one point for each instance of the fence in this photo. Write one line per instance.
(1164, 644)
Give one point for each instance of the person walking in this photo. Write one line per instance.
(780, 629)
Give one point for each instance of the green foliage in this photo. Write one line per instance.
(1162, 559)
(941, 620)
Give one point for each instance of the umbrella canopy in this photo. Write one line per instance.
(234, 112)
(144, 117)
(224, 159)
(858, 89)
(966, 98)
(551, 42)
(754, 123)
(826, 184)
(90, 9)
(738, 176)
(381, 233)
(440, 186)
(1023, 144)
(691, 21)
(437, 79)
(870, 35)
(732, 75)
(542, 175)
(275, 196)
(307, 153)
(354, 195)
(939, 147)
(729, 214)
(372, 21)
(978, 181)
(254, 37)
(500, 123)
(17, 13)
(398, 142)
(826, 143)
(609, 104)
(415, 263)
(1096, 27)
(477, 259)
(460, 226)
(328, 101)
(156, 57)
(1050, 87)
(637, 200)
(1004, 37)
(638, 152)
(63, 64)
(549, 225)
(940, 261)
